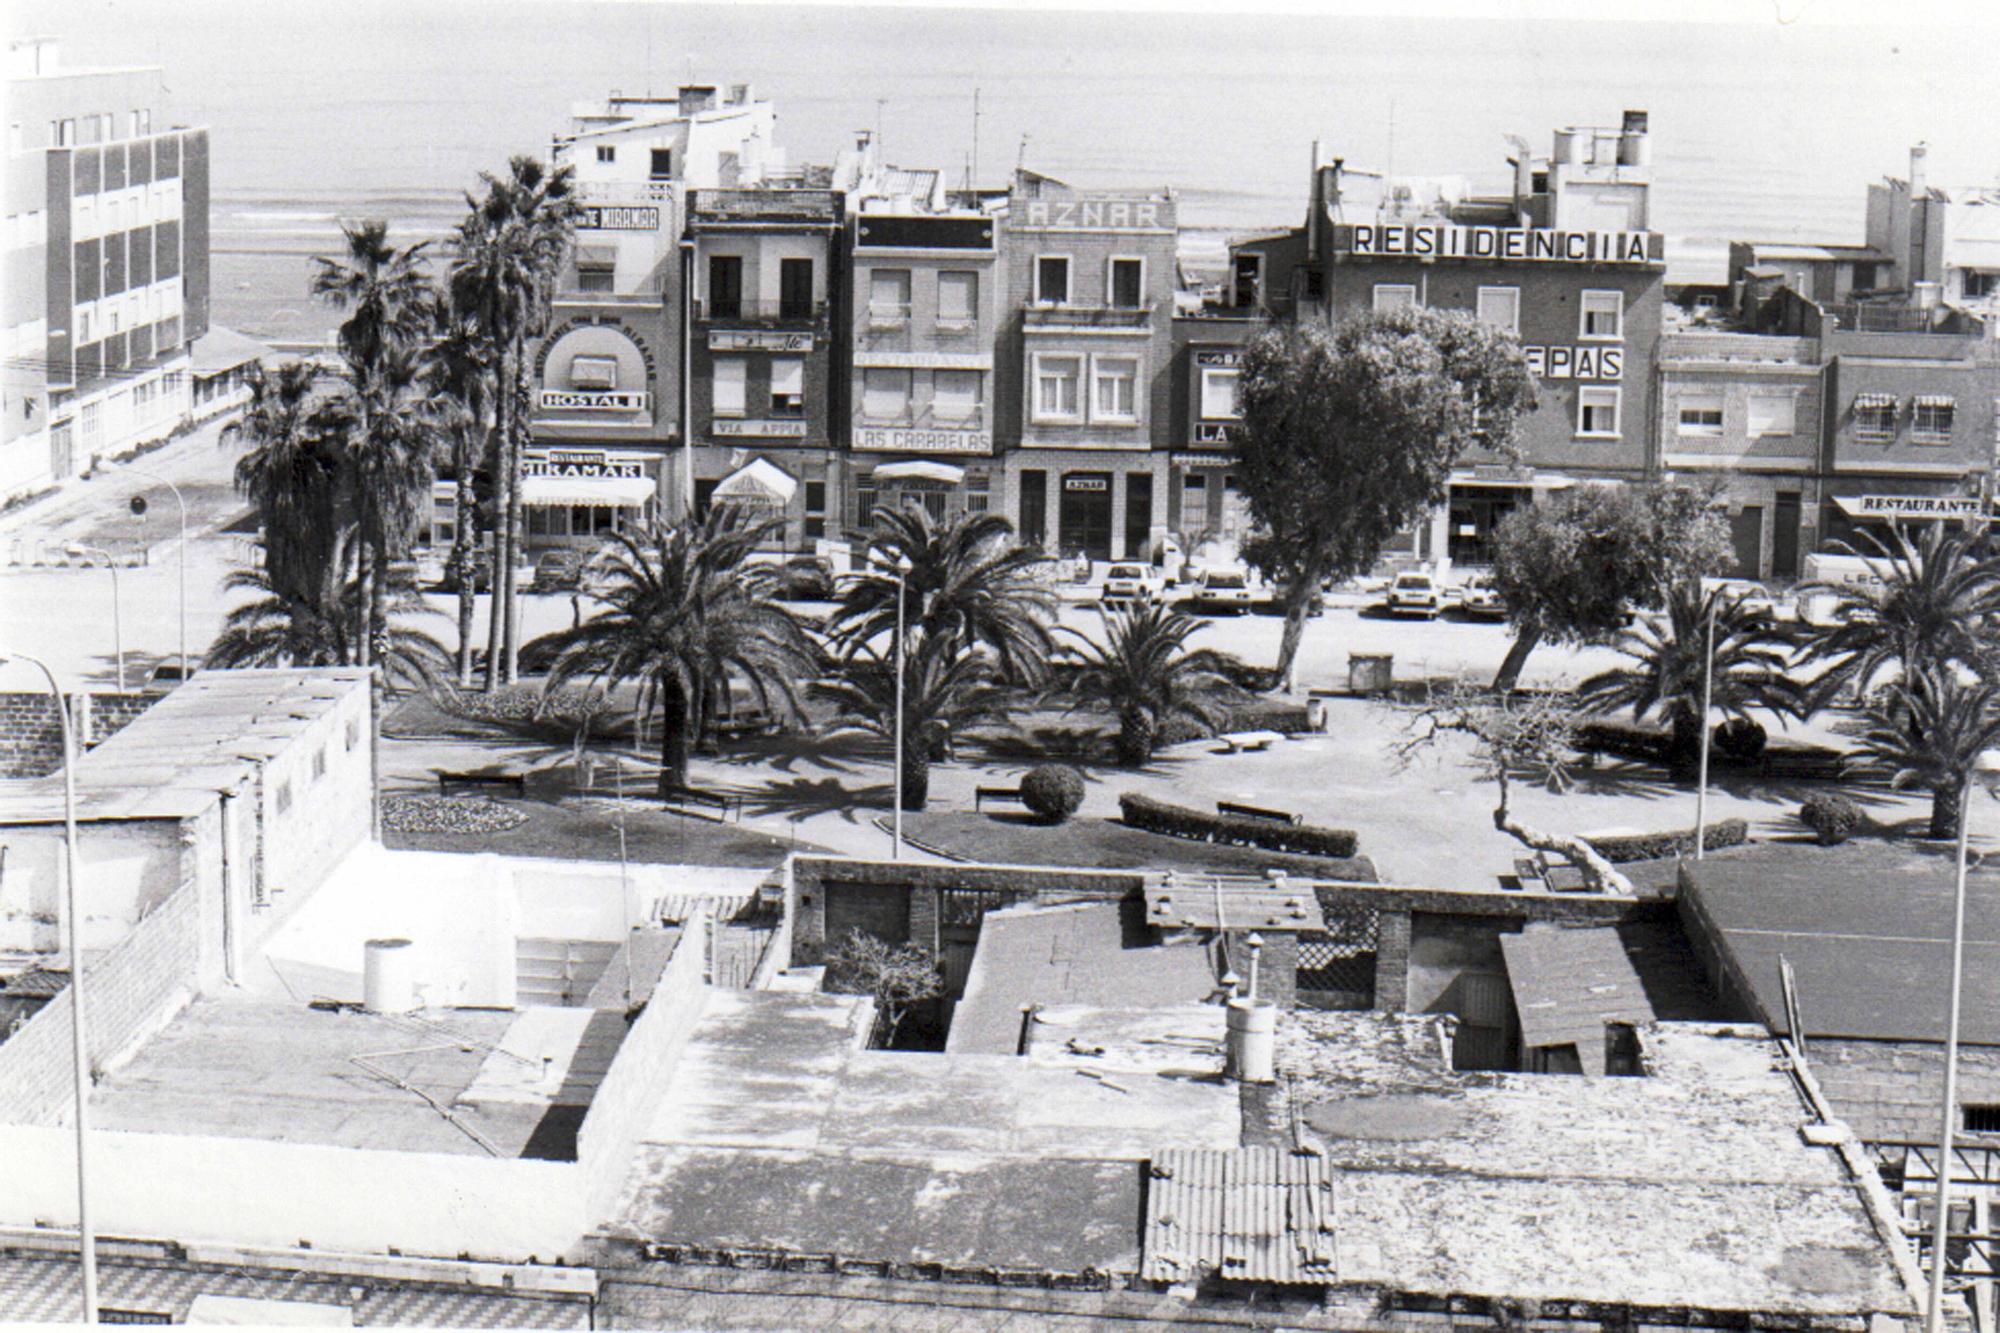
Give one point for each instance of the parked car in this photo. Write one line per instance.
(166, 673)
(560, 570)
(482, 574)
(1753, 596)
(1220, 590)
(1133, 583)
(1480, 600)
(806, 578)
(1416, 594)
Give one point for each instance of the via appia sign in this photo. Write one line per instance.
(1507, 244)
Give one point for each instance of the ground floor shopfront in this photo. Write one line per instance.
(572, 496)
(1775, 518)
(1088, 504)
(799, 487)
(1204, 502)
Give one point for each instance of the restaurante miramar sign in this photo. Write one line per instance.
(1506, 244)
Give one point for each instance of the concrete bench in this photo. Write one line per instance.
(981, 795)
(1257, 812)
(449, 780)
(1239, 742)
(715, 800)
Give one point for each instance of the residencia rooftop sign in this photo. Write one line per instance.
(1507, 244)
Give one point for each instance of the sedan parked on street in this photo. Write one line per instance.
(1416, 594)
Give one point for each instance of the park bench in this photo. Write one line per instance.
(981, 795)
(744, 722)
(714, 800)
(449, 780)
(1257, 812)
(1538, 874)
(1238, 742)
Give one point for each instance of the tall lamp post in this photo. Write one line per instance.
(1707, 702)
(139, 507)
(86, 1238)
(1983, 772)
(117, 629)
(896, 847)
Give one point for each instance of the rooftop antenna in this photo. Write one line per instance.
(880, 102)
(1021, 158)
(972, 167)
(1390, 168)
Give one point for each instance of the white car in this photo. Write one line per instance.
(1133, 583)
(1480, 600)
(1416, 594)
(1219, 591)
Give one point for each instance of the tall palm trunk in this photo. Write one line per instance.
(1947, 802)
(675, 716)
(517, 434)
(916, 789)
(1136, 735)
(378, 600)
(464, 533)
(503, 521)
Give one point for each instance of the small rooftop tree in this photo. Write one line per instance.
(899, 977)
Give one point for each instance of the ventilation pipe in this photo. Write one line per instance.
(389, 977)
(1250, 1047)
(1635, 146)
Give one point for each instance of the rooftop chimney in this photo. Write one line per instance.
(1918, 176)
(1634, 143)
(696, 97)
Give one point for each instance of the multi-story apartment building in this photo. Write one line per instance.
(610, 373)
(1202, 496)
(927, 293)
(1567, 261)
(764, 396)
(1943, 245)
(106, 265)
(1084, 420)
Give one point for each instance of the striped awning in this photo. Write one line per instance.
(1936, 400)
(1873, 401)
(596, 492)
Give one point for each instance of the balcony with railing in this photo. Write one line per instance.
(1135, 318)
(757, 313)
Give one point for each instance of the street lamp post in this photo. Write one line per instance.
(86, 1238)
(117, 629)
(1984, 772)
(896, 849)
(182, 505)
(1707, 702)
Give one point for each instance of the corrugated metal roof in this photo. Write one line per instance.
(1235, 902)
(1254, 1214)
(1569, 983)
(203, 738)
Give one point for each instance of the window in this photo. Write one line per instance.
(82, 327)
(1874, 416)
(1978, 284)
(1772, 414)
(1864, 277)
(1597, 411)
(319, 764)
(1603, 316)
(1057, 383)
(62, 133)
(815, 510)
(888, 295)
(788, 386)
(958, 299)
(662, 167)
(1982, 1119)
(1127, 283)
(1394, 296)
(731, 374)
(1247, 278)
(885, 394)
(955, 395)
(593, 372)
(725, 286)
(142, 122)
(353, 733)
(607, 152)
(795, 288)
(1220, 386)
(1501, 307)
(284, 801)
(1115, 394)
(1930, 419)
(1052, 280)
(1701, 414)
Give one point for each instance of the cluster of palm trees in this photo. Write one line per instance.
(1918, 647)
(433, 378)
(957, 609)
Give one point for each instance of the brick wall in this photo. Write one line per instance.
(1889, 1091)
(31, 738)
(128, 993)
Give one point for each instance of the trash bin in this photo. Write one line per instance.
(1317, 716)
(1370, 673)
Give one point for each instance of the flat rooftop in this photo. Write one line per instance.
(241, 1067)
(1691, 1186)
(1862, 924)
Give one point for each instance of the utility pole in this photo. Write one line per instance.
(972, 171)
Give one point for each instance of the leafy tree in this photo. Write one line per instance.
(1928, 731)
(899, 977)
(967, 583)
(1529, 739)
(685, 613)
(1571, 568)
(946, 692)
(1350, 433)
(1935, 605)
(507, 254)
(1145, 674)
(1751, 667)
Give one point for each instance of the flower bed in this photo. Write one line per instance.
(449, 814)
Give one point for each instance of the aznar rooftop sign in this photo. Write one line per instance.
(1501, 244)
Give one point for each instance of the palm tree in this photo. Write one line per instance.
(1929, 731)
(461, 386)
(292, 471)
(1144, 674)
(387, 296)
(685, 614)
(946, 692)
(968, 583)
(1750, 667)
(509, 249)
(1935, 598)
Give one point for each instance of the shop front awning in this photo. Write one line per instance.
(919, 470)
(759, 481)
(598, 492)
(1902, 507)
(1875, 402)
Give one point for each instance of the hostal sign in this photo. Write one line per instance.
(592, 400)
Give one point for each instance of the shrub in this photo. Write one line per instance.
(1831, 817)
(1053, 791)
(1143, 812)
(1741, 739)
(1279, 715)
(529, 704)
(1648, 745)
(1678, 842)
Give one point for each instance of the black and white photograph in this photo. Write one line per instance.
(1302, 666)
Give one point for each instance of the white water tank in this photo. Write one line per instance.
(389, 977)
(1250, 1049)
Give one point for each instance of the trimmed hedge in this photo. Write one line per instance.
(1678, 842)
(1774, 759)
(1143, 812)
(1053, 791)
(1741, 739)
(1832, 817)
(1282, 716)
(1647, 745)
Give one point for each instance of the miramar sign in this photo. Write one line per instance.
(579, 463)
(1505, 244)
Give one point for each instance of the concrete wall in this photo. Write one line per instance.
(129, 993)
(126, 868)
(315, 797)
(1890, 1091)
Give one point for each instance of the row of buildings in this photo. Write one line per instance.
(825, 339)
